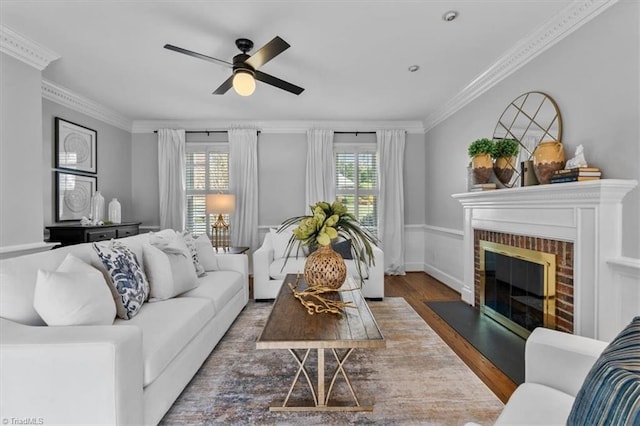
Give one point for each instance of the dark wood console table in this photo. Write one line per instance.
(76, 233)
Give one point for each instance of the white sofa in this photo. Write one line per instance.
(556, 365)
(268, 271)
(129, 372)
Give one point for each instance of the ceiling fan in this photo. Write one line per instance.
(245, 67)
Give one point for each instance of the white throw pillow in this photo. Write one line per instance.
(182, 273)
(75, 294)
(206, 253)
(158, 271)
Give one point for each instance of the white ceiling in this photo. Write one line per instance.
(350, 56)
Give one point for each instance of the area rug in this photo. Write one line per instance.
(416, 379)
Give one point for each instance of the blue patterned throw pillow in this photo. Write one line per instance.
(610, 394)
(127, 280)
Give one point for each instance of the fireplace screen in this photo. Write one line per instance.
(517, 287)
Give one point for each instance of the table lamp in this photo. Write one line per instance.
(220, 204)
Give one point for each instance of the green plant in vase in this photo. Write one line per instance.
(327, 222)
(504, 154)
(481, 151)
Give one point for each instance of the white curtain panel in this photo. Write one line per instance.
(391, 200)
(172, 178)
(320, 179)
(243, 182)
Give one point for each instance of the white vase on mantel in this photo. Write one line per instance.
(97, 208)
(115, 211)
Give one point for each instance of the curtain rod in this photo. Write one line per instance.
(354, 133)
(206, 132)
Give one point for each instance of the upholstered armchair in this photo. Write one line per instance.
(269, 273)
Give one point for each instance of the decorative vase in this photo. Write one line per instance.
(115, 211)
(547, 158)
(482, 168)
(503, 168)
(97, 207)
(325, 268)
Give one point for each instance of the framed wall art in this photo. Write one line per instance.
(76, 147)
(73, 195)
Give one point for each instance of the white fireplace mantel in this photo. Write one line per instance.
(589, 214)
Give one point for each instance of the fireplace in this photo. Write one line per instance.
(560, 309)
(517, 287)
(581, 224)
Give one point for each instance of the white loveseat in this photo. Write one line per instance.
(129, 372)
(556, 365)
(268, 271)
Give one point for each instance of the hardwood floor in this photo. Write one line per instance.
(417, 288)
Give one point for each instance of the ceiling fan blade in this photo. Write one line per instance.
(198, 55)
(280, 84)
(224, 87)
(267, 52)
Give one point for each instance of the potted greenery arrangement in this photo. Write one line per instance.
(504, 153)
(480, 152)
(324, 267)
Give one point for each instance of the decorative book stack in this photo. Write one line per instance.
(483, 187)
(576, 174)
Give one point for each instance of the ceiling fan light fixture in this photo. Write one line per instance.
(244, 83)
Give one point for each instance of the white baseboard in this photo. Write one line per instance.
(447, 279)
(414, 267)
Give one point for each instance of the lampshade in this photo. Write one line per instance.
(221, 203)
(244, 83)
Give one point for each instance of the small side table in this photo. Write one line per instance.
(231, 250)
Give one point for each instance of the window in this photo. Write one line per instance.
(207, 173)
(357, 182)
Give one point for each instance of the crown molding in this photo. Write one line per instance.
(574, 16)
(275, 126)
(66, 97)
(25, 50)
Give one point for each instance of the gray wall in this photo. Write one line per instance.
(593, 75)
(414, 180)
(144, 179)
(114, 159)
(281, 176)
(20, 153)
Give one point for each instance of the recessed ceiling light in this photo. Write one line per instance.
(450, 16)
(414, 68)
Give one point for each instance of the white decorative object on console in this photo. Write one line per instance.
(115, 215)
(589, 214)
(97, 208)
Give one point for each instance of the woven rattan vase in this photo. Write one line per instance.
(325, 268)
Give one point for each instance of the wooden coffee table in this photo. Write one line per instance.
(290, 327)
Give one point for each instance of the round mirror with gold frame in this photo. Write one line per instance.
(531, 118)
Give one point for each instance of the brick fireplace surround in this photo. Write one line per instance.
(581, 222)
(564, 269)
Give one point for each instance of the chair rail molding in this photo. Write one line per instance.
(25, 50)
(625, 287)
(22, 249)
(572, 17)
(63, 96)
